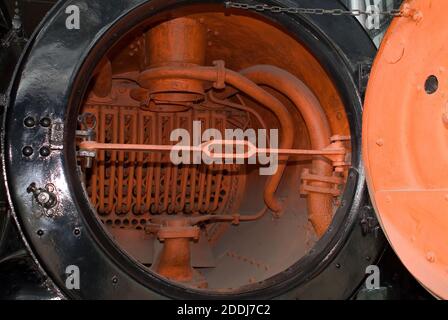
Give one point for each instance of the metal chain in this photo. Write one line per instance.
(314, 11)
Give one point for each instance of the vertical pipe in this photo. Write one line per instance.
(178, 42)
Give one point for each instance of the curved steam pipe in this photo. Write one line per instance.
(319, 204)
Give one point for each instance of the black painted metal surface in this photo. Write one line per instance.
(5, 20)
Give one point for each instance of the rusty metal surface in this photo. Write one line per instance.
(405, 141)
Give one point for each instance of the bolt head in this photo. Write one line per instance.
(43, 197)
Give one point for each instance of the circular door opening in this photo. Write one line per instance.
(200, 77)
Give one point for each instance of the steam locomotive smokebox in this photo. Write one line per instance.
(88, 145)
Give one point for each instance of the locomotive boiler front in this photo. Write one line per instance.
(264, 116)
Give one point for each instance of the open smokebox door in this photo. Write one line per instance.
(405, 138)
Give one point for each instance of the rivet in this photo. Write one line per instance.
(29, 122)
(431, 257)
(45, 151)
(45, 122)
(27, 151)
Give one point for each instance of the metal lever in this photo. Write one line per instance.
(334, 152)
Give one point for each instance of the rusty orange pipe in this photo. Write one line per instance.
(178, 42)
(103, 83)
(216, 74)
(319, 204)
(174, 261)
